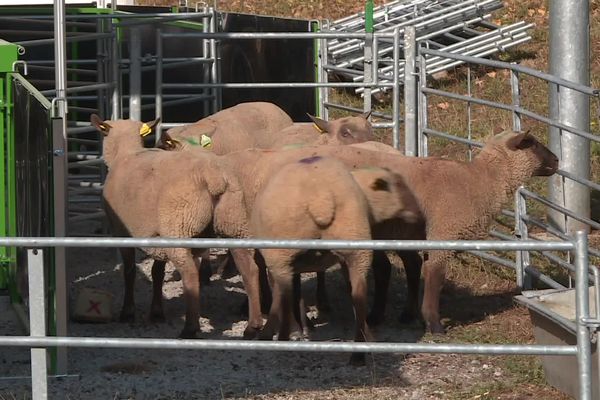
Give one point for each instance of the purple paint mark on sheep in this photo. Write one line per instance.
(310, 160)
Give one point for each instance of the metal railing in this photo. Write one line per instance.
(39, 342)
(418, 131)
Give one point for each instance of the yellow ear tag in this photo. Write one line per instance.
(318, 129)
(205, 141)
(145, 130)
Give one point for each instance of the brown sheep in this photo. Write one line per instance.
(474, 191)
(201, 199)
(318, 198)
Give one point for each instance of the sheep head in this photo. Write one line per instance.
(169, 143)
(388, 195)
(346, 130)
(525, 151)
(121, 135)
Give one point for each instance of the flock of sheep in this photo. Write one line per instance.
(249, 171)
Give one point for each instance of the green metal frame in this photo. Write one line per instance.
(9, 53)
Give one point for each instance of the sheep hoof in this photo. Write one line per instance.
(375, 319)
(358, 360)
(188, 333)
(436, 328)
(251, 333)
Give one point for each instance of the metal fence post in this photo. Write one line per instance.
(410, 92)
(159, 77)
(569, 59)
(584, 346)
(37, 323)
(135, 74)
(396, 90)
(368, 56)
(516, 99)
(422, 120)
(60, 187)
(524, 281)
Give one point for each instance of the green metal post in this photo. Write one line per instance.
(369, 16)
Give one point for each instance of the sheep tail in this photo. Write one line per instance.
(321, 206)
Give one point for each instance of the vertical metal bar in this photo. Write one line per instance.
(516, 99)
(469, 127)
(60, 186)
(325, 77)
(206, 69)
(115, 73)
(410, 92)
(396, 90)
(597, 316)
(135, 74)
(214, 53)
(100, 64)
(569, 59)
(368, 55)
(159, 76)
(37, 323)
(60, 201)
(524, 281)
(368, 71)
(423, 151)
(584, 346)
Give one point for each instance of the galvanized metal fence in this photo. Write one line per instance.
(39, 342)
(418, 131)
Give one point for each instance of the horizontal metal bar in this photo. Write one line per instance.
(578, 179)
(273, 35)
(556, 207)
(531, 270)
(70, 39)
(286, 244)
(458, 139)
(112, 16)
(511, 108)
(274, 85)
(356, 110)
(257, 345)
(494, 259)
(515, 67)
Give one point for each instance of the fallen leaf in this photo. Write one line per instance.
(491, 74)
(443, 106)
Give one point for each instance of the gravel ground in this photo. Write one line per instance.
(158, 374)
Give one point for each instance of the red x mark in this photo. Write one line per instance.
(94, 306)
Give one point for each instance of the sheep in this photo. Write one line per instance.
(458, 199)
(233, 129)
(318, 198)
(155, 193)
(239, 127)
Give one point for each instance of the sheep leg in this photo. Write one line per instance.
(279, 315)
(412, 265)
(382, 269)
(188, 267)
(205, 268)
(129, 270)
(300, 317)
(322, 300)
(434, 273)
(158, 276)
(244, 259)
(358, 283)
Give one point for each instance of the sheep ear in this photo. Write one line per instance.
(152, 124)
(166, 142)
(380, 184)
(367, 114)
(520, 141)
(321, 124)
(97, 122)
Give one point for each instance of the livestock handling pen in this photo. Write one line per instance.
(393, 57)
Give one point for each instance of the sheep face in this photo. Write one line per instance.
(387, 195)
(121, 134)
(527, 151)
(346, 130)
